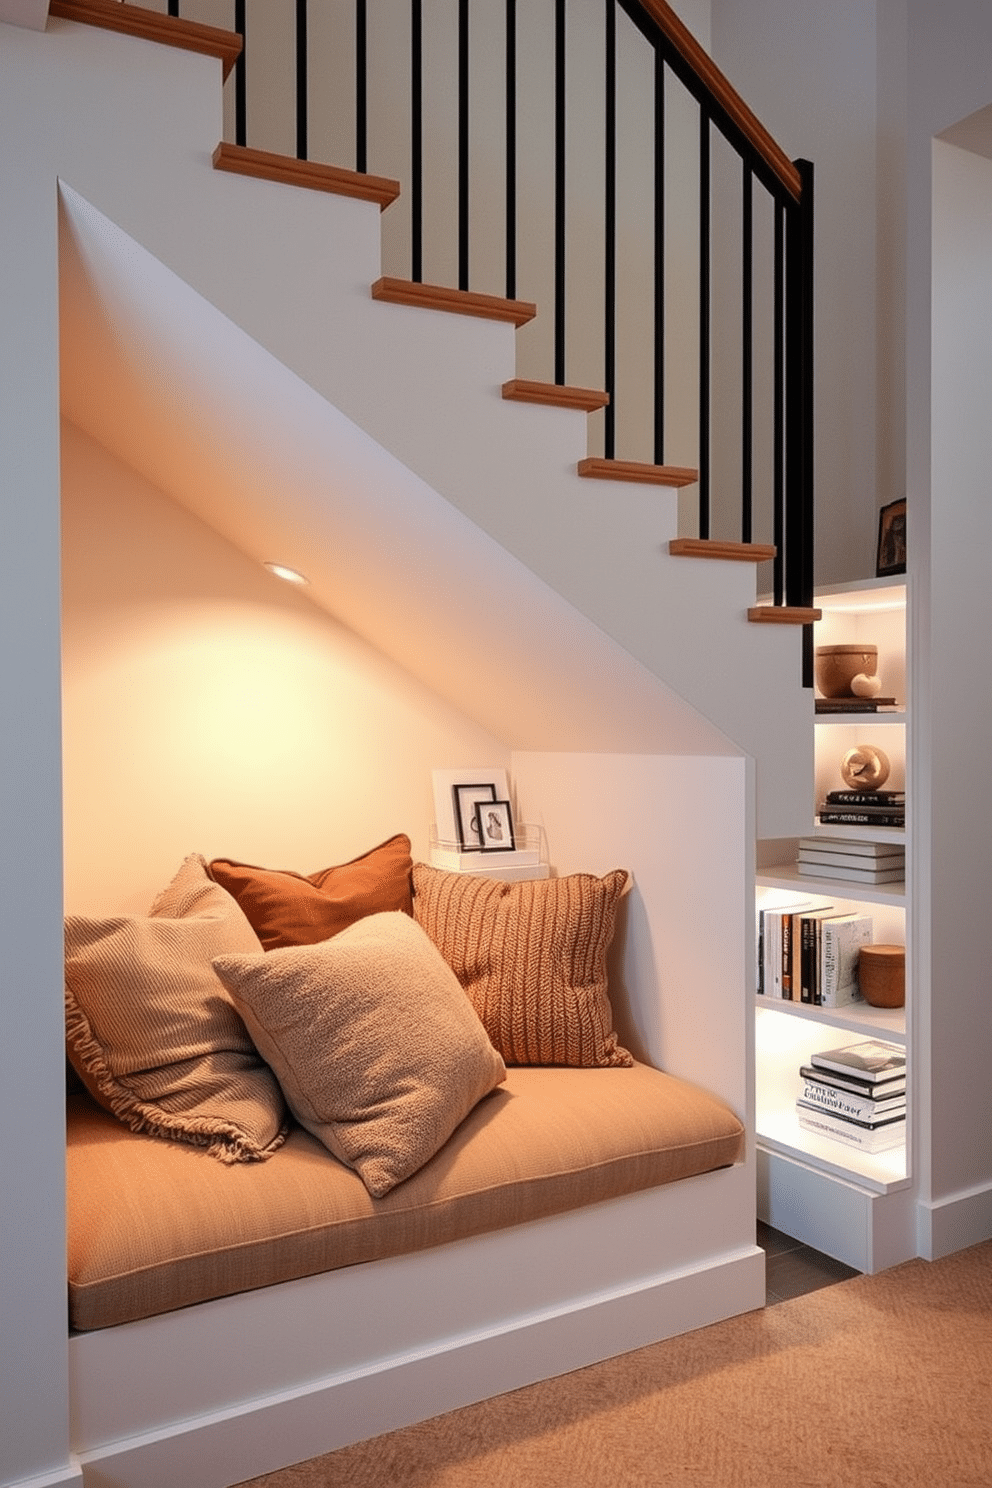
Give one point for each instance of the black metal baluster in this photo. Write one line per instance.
(560, 160)
(798, 405)
(747, 354)
(511, 149)
(301, 79)
(416, 141)
(704, 323)
(240, 69)
(659, 257)
(463, 145)
(778, 413)
(361, 88)
(173, 8)
(610, 243)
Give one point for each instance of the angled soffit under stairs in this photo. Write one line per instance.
(171, 386)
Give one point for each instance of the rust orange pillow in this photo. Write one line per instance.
(532, 957)
(290, 909)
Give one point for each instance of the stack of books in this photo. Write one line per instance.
(856, 1094)
(867, 808)
(809, 953)
(851, 860)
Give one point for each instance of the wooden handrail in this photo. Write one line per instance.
(724, 93)
(151, 25)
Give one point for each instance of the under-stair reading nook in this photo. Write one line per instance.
(359, 1131)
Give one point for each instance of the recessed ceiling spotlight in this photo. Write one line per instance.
(289, 575)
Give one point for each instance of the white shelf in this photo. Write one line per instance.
(857, 1017)
(779, 1131)
(787, 876)
(860, 720)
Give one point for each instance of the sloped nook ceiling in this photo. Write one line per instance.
(171, 386)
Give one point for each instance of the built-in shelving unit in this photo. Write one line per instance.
(854, 1205)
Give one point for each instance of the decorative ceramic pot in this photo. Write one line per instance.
(837, 666)
(882, 975)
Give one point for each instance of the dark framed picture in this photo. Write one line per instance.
(891, 556)
(496, 826)
(468, 800)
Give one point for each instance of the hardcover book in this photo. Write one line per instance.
(879, 1138)
(847, 1103)
(855, 846)
(841, 942)
(874, 1090)
(871, 1060)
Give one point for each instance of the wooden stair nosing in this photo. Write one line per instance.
(458, 301)
(555, 394)
(784, 615)
(266, 165)
(704, 547)
(151, 25)
(638, 472)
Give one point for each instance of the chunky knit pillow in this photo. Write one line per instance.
(151, 1031)
(377, 1050)
(532, 957)
(286, 908)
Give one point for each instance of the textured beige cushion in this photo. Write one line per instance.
(371, 1038)
(151, 1031)
(153, 1226)
(532, 958)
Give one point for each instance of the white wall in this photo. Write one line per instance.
(210, 708)
(809, 73)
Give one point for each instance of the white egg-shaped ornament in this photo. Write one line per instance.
(864, 686)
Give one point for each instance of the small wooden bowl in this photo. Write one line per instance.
(882, 975)
(837, 666)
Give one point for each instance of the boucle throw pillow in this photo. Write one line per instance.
(151, 1031)
(376, 1048)
(286, 908)
(532, 957)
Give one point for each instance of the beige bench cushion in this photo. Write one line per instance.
(154, 1225)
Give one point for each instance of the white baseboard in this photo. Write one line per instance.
(955, 1222)
(252, 1437)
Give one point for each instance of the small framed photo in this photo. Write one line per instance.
(891, 556)
(496, 826)
(469, 800)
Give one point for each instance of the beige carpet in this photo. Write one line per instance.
(878, 1382)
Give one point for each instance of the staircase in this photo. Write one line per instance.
(430, 373)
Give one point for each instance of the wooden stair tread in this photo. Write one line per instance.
(458, 301)
(150, 25)
(556, 394)
(784, 615)
(308, 173)
(635, 470)
(704, 547)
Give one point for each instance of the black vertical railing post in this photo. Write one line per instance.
(361, 88)
(747, 353)
(301, 79)
(610, 243)
(704, 322)
(463, 145)
(778, 406)
(511, 149)
(799, 408)
(416, 141)
(659, 257)
(560, 211)
(240, 67)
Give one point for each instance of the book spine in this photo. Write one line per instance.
(853, 817)
(865, 798)
(847, 1131)
(846, 1104)
(842, 940)
(852, 1083)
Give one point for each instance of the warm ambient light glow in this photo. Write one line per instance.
(289, 574)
